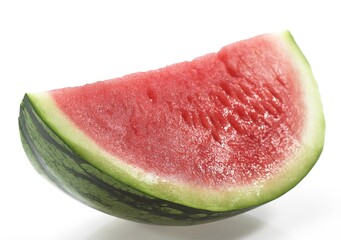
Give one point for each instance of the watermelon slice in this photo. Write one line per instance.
(189, 143)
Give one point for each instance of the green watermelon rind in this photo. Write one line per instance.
(173, 191)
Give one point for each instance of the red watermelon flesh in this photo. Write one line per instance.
(225, 119)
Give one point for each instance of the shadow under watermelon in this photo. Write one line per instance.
(233, 228)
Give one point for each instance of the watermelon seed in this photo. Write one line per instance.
(204, 120)
(234, 123)
(186, 115)
(276, 104)
(240, 95)
(270, 109)
(221, 119)
(216, 136)
(241, 112)
(223, 99)
(246, 89)
(280, 79)
(272, 92)
(258, 108)
(253, 115)
(151, 95)
(214, 120)
(195, 119)
(226, 87)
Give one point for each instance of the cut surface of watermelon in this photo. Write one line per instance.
(226, 131)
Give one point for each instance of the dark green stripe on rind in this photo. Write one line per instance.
(58, 162)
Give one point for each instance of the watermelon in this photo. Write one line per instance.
(189, 143)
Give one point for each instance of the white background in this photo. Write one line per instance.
(46, 45)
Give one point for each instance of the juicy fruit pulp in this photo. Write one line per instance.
(225, 132)
(207, 122)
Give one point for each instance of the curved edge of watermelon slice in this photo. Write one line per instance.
(208, 199)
